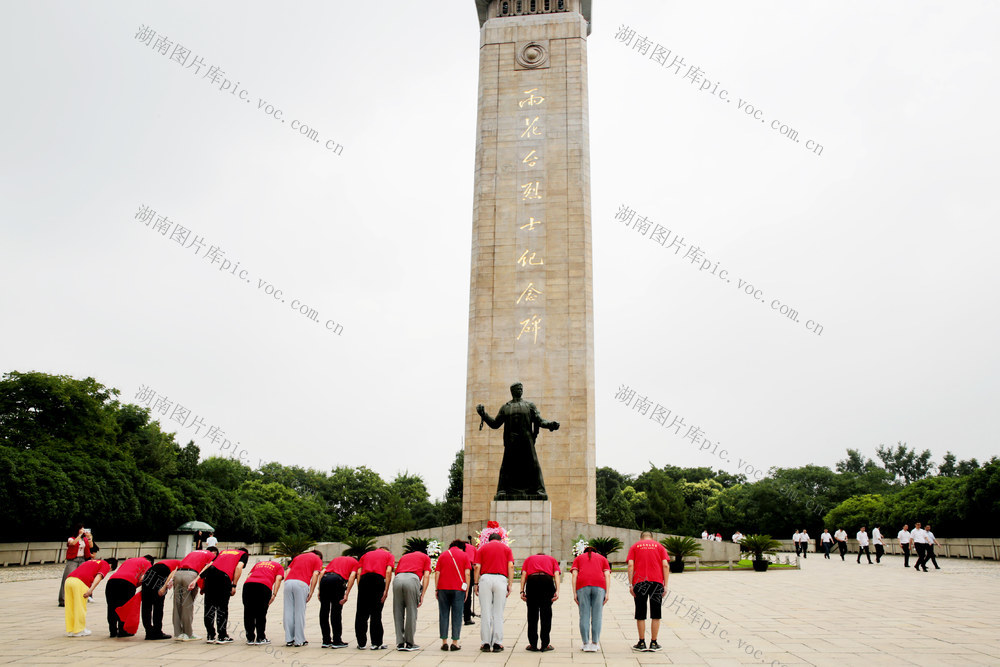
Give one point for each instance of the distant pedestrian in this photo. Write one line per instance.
(374, 579)
(211, 541)
(494, 580)
(408, 589)
(718, 537)
(930, 547)
(905, 540)
(334, 588)
(863, 545)
(259, 592)
(737, 537)
(539, 589)
(453, 585)
(826, 539)
(804, 543)
(879, 544)
(120, 590)
(591, 591)
(647, 574)
(919, 541)
(704, 534)
(841, 537)
(300, 584)
(796, 542)
(77, 553)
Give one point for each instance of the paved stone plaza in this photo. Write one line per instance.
(827, 613)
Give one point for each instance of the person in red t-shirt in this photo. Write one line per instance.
(408, 588)
(374, 579)
(259, 591)
(334, 587)
(154, 588)
(184, 582)
(300, 584)
(221, 578)
(591, 591)
(494, 570)
(121, 588)
(470, 553)
(77, 552)
(452, 581)
(80, 585)
(539, 589)
(647, 575)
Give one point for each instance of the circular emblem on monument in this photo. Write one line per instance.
(532, 55)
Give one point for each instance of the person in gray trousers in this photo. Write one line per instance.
(408, 588)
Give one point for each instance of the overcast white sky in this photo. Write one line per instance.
(887, 239)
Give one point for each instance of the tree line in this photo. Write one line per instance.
(71, 451)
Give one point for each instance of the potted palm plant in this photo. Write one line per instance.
(605, 545)
(758, 545)
(680, 548)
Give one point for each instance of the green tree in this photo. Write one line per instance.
(948, 467)
(356, 496)
(904, 462)
(867, 510)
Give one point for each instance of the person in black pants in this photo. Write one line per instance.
(154, 588)
(375, 570)
(470, 552)
(259, 590)
(217, 593)
(334, 588)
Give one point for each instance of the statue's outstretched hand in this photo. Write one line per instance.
(480, 410)
(554, 426)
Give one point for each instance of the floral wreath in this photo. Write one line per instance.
(433, 550)
(492, 528)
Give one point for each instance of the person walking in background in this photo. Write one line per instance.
(879, 545)
(918, 538)
(199, 541)
(863, 545)
(905, 540)
(77, 552)
(452, 582)
(804, 543)
(211, 541)
(336, 584)
(121, 588)
(470, 553)
(80, 585)
(930, 547)
(647, 576)
(221, 578)
(591, 591)
(300, 584)
(494, 579)
(841, 537)
(737, 537)
(259, 592)
(539, 589)
(796, 543)
(185, 591)
(374, 579)
(704, 534)
(826, 539)
(408, 589)
(154, 590)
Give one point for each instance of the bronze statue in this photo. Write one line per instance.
(520, 474)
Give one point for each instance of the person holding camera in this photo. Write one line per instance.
(77, 551)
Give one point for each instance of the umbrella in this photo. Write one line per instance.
(196, 525)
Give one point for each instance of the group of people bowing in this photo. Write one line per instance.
(136, 589)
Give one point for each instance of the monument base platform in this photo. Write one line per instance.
(529, 524)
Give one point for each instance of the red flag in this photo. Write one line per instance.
(129, 613)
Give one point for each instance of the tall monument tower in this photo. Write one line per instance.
(531, 313)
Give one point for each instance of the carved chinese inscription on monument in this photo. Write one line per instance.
(531, 191)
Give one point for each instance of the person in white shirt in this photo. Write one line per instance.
(863, 545)
(905, 539)
(737, 537)
(804, 542)
(930, 547)
(841, 537)
(795, 540)
(704, 534)
(827, 540)
(918, 538)
(211, 541)
(879, 545)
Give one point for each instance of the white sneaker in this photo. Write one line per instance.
(588, 647)
(181, 637)
(595, 647)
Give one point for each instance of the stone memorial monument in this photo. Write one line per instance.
(531, 299)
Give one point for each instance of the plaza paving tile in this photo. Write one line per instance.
(828, 613)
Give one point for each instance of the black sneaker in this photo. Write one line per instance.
(641, 646)
(655, 646)
(411, 647)
(497, 648)
(326, 645)
(338, 645)
(485, 648)
(263, 642)
(289, 644)
(224, 640)
(400, 647)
